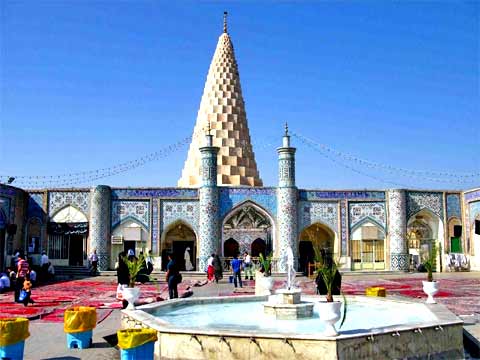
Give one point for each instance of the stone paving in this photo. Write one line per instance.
(47, 340)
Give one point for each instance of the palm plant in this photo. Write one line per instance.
(134, 267)
(266, 263)
(430, 261)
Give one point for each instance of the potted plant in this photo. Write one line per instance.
(330, 310)
(430, 287)
(263, 278)
(135, 266)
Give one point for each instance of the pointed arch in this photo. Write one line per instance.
(368, 219)
(246, 222)
(176, 238)
(69, 212)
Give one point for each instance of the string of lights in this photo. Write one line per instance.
(88, 177)
(418, 174)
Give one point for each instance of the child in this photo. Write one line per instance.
(25, 295)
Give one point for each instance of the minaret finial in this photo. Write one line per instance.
(209, 127)
(225, 21)
(286, 128)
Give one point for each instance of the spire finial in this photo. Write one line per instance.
(209, 136)
(225, 21)
(286, 128)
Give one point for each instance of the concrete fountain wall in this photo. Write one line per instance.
(441, 339)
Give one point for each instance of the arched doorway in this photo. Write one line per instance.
(258, 247)
(177, 238)
(368, 247)
(230, 248)
(423, 230)
(128, 235)
(455, 235)
(67, 237)
(314, 238)
(246, 223)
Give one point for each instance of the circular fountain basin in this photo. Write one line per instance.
(236, 327)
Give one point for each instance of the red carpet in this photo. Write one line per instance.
(52, 300)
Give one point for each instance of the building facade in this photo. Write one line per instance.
(220, 206)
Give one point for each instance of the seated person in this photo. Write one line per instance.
(4, 282)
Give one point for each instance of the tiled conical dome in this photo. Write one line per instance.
(222, 104)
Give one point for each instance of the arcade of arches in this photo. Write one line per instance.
(247, 229)
(177, 239)
(314, 237)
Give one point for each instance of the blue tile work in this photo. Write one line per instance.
(474, 210)
(155, 228)
(453, 206)
(154, 193)
(343, 222)
(57, 200)
(336, 195)
(417, 201)
(264, 197)
(325, 212)
(374, 211)
(133, 209)
(4, 211)
(471, 196)
(35, 206)
(175, 210)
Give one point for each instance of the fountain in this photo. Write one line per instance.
(286, 304)
(287, 325)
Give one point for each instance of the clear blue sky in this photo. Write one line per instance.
(87, 85)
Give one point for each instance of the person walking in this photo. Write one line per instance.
(247, 263)
(218, 269)
(44, 260)
(94, 261)
(210, 268)
(172, 277)
(149, 261)
(236, 264)
(23, 269)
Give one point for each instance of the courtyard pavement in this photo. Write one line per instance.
(459, 291)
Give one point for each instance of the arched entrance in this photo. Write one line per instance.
(258, 247)
(176, 239)
(423, 230)
(128, 235)
(454, 235)
(67, 237)
(316, 237)
(368, 247)
(246, 224)
(230, 248)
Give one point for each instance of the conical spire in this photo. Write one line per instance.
(222, 104)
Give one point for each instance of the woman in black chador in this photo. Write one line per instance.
(217, 267)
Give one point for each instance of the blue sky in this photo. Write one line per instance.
(88, 85)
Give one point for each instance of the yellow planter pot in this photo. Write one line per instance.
(13, 331)
(79, 318)
(132, 338)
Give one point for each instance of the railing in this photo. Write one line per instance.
(255, 261)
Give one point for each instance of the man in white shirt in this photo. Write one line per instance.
(44, 261)
(4, 282)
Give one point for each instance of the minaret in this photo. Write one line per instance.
(209, 231)
(222, 105)
(286, 202)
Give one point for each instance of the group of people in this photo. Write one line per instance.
(215, 269)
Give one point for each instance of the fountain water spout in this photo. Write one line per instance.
(290, 268)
